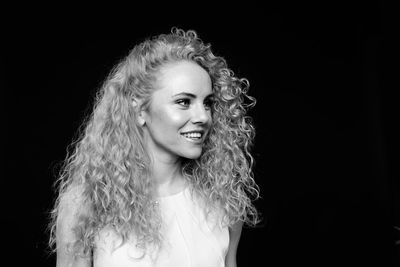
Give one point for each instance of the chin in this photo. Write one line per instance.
(192, 155)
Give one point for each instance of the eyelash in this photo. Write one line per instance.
(185, 102)
(208, 103)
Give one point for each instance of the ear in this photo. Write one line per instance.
(140, 113)
(141, 118)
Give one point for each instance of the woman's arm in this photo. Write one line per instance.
(234, 237)
(70, 209)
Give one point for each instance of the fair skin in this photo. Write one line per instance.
(234, 238)
(177, 122)
(67, 218)
(175, 127)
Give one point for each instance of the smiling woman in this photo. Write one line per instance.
(179, 116)
(162, 174)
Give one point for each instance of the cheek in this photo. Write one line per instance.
(171, 118)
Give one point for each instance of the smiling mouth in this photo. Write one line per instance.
(193, 136)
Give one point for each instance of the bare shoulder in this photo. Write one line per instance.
(236, 228)
(72, 196)
(235, 232)
(234, 238)
(71, 207)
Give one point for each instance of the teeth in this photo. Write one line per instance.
(192, 135)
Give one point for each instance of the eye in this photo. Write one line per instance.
(208, 103)
(184, 102)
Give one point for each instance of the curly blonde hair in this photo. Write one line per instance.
(110, 165)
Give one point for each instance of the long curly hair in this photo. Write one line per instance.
(110, 165)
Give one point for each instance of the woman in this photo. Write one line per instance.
(161, 176)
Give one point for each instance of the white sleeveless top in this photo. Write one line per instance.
(189, 239)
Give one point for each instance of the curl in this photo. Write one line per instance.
(110, 165)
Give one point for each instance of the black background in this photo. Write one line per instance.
(326, 116)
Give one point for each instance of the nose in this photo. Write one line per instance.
(201, 115)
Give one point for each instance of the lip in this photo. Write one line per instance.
(198, 141)
(202, 131)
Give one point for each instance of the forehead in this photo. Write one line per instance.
(184, 76)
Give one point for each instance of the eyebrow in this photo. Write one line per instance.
(191, 95)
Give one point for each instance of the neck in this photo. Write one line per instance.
(165, 169)
(164, 173)
(167, 176)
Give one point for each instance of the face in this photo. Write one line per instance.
(178, 119)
